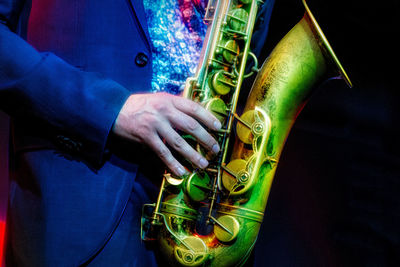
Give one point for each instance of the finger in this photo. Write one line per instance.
(181, 146)
(191, 126)
(162, 151)
(196, 111)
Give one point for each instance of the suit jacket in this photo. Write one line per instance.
(64, 91)
(67, 195)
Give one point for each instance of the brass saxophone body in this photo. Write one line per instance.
(212, 217)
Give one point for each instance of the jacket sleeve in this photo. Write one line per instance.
(43, 86)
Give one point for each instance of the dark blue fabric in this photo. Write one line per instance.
(64, 90)
(62, 212)
(125, 241)
(71, 81)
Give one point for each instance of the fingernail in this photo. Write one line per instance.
(203, 163)
(217, 125)
(181, 171)
(215, 148)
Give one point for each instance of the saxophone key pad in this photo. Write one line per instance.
(193, 252)
(229, 230)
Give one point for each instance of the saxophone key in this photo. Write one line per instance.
(198, 186)
(230, 50)
(218, 108)
(238, 20)
(193, 253)
(250, 126)
(226, 228)
(222, 83)
(234, 174)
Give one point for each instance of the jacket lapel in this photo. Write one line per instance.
(139, 15)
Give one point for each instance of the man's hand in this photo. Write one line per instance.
(151, 118)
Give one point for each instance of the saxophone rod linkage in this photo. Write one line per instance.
(228, 171)
(221, 225)
(235, 97)
(214, 196)
(241, 121)
(158, 203)
(173, 234)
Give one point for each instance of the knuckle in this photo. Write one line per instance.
(194, 107)
(164, 94)
(163, 153)
(143, 131)
(178, 142)
(151, 120)
(160, 106)
(192, 125)
(162, 102)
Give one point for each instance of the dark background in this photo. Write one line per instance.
(335, 199)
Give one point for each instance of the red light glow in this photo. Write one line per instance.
(2, 236)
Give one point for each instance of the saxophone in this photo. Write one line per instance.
(212, 217)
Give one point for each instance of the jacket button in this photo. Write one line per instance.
(141, 59)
